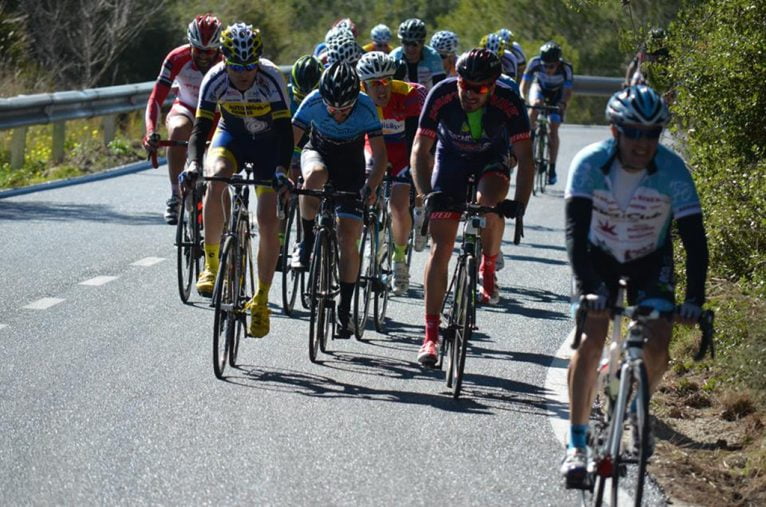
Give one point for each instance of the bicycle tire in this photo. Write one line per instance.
(187, 259)
(641, 380)
(224, 318)
(244, 273)
(315, 296)
(363, 287)
(291, 280)
(453, 320)
(384, 274)
(542, 172)
(465, 325)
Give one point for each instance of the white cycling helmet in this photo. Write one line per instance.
(344, 50)
(380, 34)
(338, 32)
(376, 65)
(444, 42)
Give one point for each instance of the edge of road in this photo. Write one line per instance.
(87, 178)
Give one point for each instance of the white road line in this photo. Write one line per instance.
(43, 304)
(148, 261)
(99, 280)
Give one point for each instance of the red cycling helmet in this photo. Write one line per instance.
(204, 32)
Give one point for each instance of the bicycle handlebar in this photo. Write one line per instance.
(162, 143)
(705, 324)
(327, 191)
(507, 208)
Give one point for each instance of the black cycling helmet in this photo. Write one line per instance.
(305, 74)
(412, 29)
(339, 85)
(550, 52)
(479, 65)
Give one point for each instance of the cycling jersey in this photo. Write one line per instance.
(428, 71)
(252, 115)
(178, 67)
(327, 135)
(510, 64)
(406, 102)
(549, 84)
(665, 193)
(521, 58)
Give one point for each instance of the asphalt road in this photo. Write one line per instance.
(108, 394)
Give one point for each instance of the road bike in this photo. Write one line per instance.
(459, 303)
(623, 387)
(323, 284)
(293, 281)
(541, 147)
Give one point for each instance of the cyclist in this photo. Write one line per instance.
(649, 65)
(622, 195)
(471, 119)
(399, 106)
(494, 43)
(343, 27)
(381, 37)
(337, 117)
(445, 43)
(251, 94)
(304, 78)
(185, 65)
(343, 49)
(514, 47)
(424, 66)
(553, 78)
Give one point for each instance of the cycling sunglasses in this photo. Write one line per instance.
(475, 88)
(377, 82)
(333, 109)
(637, 133)
(205, 52)
(236, 67)
(411, 43)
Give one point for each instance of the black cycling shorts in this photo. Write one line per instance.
(346, 171)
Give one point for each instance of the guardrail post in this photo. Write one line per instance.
(59, 136)
(109, 124)
(18, 144)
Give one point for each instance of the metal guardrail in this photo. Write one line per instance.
(20, 112)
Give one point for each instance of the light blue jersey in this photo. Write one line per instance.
(666, 192)
(429, 66)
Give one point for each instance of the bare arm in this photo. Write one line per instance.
(422, 162)
(525, 84)
(526, 172)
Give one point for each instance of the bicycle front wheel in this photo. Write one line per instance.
(245, 288)
(187, 238)
(364, 280)
(291, 280)
(225, 319)
(641, 390)
(318, 290)
(464, 328)
(383, 279)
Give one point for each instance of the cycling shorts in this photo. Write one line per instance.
(346, 173)
(651, 279)
(549, 98)
(404, 172)
(180, 109)
(261, 152)
(451, 175)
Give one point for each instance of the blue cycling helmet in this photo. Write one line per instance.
(637, 105)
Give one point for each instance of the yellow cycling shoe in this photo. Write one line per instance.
(259, 321)
(205, 283)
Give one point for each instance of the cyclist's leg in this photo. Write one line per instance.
(401, 226)
(315, 175)
(555, 121)
(535, 99)
(179, 124)
(221, 161)
(492, 188)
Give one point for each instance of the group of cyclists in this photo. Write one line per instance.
(432, 118)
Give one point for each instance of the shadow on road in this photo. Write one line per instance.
(69, 212)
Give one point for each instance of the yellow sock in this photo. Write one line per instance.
(262, 296)
(211, 257)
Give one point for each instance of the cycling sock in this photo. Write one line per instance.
(432, 327)
(488, 272)
(211, 257)
(308, 232)
(578, 436)
(262, 296)
(400, 253)
(346, 293)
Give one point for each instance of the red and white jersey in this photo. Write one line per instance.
(178, 71)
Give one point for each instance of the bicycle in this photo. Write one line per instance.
(189, 237)
(323, 282)
(459, 303)
(235, 281)
(622, 381)
(293, 281)
(541, 147)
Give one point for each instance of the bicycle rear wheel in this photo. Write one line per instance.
(187, 241)
(225, 319)
(292, 281)
(365, 279)
(464, 328)
(318, 289)
(383, 279)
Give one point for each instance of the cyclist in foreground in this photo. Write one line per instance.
(621, 197)
(254, 128)
(399, 106)
(186, 66)
(337, 117)
(472, 120)
(551, 81)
